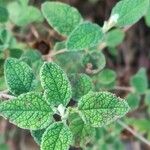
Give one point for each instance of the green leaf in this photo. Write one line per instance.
(62, 17)
(82, 132)
(56, 84)
(86, 35)
(37, 135)
(21, 15)
(128, 12)
(147, 97)
(114, 37)
(95, 59)
(133, 100)
(140, 81)
(57, 137)
(6, 40)
(71, 57)
(81, 85)
(147, 17)
(19, 76)
(4, 14)
(101, 108)
(29, 111)
(107, 76)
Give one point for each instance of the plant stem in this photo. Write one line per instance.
(137, 135)
(59, 52)
(122, 88)
(4, 95)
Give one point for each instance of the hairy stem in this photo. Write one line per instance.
(137, 135)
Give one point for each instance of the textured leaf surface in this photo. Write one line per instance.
(86, 35)
(57, 137)
(140, 81)
(81, 131)
(37, 135)
(29, 111)
(4, 14)
(19, 76)
(130, 11)
(62, 17)
(101, 108)
(81, 85)
(56, 84)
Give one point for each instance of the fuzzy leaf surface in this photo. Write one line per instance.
(101, 108)
(62, 17)
(86, 35)
(128, 12)
(28, 111)
(57, 137)
(19, 76)
(56, 84)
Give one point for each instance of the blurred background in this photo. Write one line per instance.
(128, 60)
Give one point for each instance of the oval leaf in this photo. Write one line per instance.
(56, 84)
(19, 76)
(56, 137)
(86, 35)
(101, 108)
(28, 111)
(128, 12)
(62, 17)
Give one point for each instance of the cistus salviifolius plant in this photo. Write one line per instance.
(60, 98)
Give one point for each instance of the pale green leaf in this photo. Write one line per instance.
(147, 97)
(114, 37)
(19, 76)
(107, 76)
(133, 100)
(101, 108)
(86, 35)
(147, 17)
(21, 15)
(56, 84)
(62, 17)
(57, 137)
(3, 14)
(81, 85)
(29, 111)
(128, 12)
(140, 81)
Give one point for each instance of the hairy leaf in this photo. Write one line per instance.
(56, 137)
(101, 108)
(29, 111)
(62, 17)
(86, 35)
(19, 76)
(56, 84)
(81, 85)
(128, 12)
